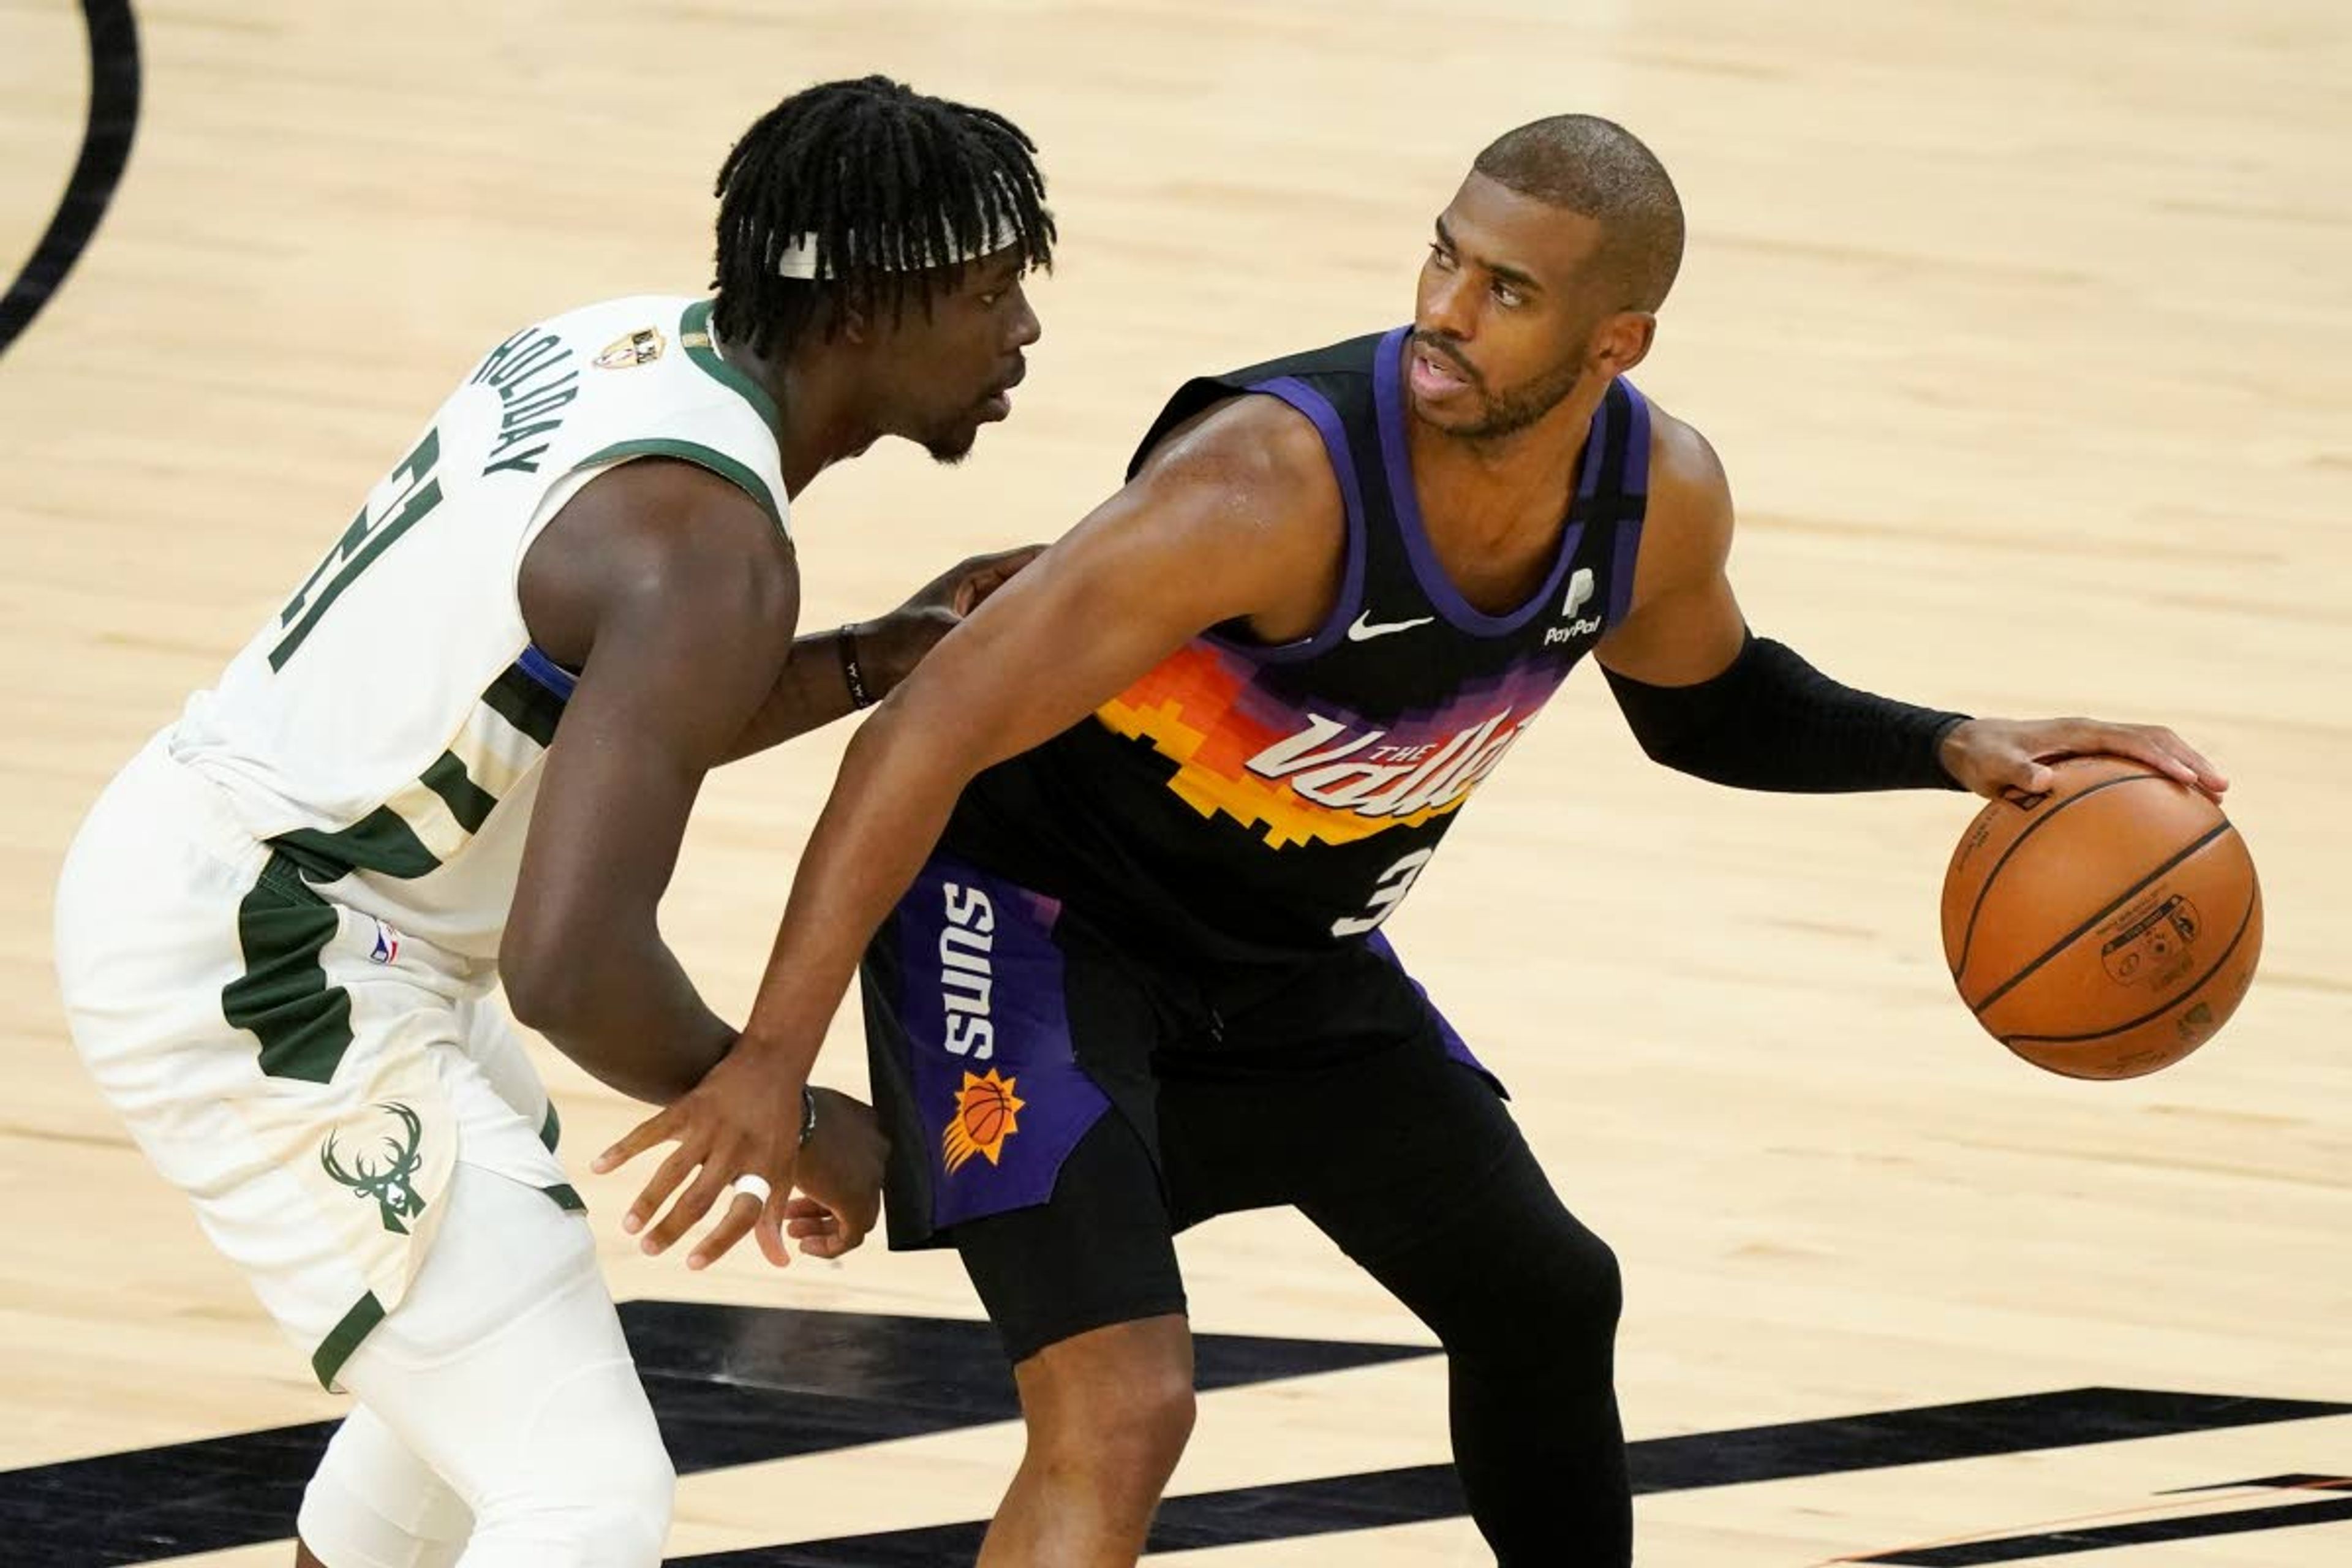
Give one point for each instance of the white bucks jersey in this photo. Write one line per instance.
(384, 729)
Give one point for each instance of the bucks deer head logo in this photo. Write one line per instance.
(390, 1184)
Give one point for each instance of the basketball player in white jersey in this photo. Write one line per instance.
(463, 753)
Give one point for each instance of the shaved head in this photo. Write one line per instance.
(1599, 170)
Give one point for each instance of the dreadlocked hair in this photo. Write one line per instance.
(898, 192)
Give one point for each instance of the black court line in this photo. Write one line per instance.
(2106, 1537)
(1419, 1494)
(729, 1385)
(740, 1386)
(105, 151)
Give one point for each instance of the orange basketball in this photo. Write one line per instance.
(2107, 929)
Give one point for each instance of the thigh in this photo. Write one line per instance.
(1326, 1075)
(1100, 1251)
(504, 1369)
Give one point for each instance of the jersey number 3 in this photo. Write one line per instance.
(407, 493)
(1387, 894)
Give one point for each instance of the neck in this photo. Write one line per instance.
(1494, 486)
(822, 420)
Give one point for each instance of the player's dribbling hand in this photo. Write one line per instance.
(2003, 758)
(743, 1118)
(840, 1177)
(899, 640)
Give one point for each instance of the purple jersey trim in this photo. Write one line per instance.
(1388, 393)
(1317, 408)
(1637, 486)
(544, 672)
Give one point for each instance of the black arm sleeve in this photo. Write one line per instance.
(1772, 721)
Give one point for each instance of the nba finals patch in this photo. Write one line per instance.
(985, 1117)
(641, 347)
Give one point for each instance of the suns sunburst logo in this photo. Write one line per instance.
(986, 1115)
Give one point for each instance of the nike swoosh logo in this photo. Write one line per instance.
(1364, 630)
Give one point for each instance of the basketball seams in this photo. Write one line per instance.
(1984, 890)
(2245, 924)
(2178, 856)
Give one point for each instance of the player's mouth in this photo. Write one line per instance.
(998, 405)
(1435, 375)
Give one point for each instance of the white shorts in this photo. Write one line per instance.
(307, 1075)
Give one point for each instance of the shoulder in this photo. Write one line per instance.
(656, 539)
(1688, 523)
(1254, 460)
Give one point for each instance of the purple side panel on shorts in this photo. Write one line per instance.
(1005, 1038)
(1455, 1045)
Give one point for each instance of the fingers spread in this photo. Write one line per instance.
(666, 1178)
(653, 1129)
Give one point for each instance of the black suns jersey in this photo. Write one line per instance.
(1254, 802)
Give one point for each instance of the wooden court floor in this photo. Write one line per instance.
(2025, 331)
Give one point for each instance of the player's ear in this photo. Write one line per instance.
(1623, 341)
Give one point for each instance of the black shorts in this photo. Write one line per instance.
(1060, 1103)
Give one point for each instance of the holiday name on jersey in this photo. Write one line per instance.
(529, 375)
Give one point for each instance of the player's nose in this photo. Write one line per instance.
(1026, 327)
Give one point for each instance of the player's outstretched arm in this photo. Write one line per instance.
(1236, 517)
(831, 674)
(675, 597)
(1705, 697)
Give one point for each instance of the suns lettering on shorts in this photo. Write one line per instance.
(987, 1113)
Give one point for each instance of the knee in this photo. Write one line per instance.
(1587, 1284)
(599, 1487)
(614, 1516)
(1555, 1308)
(1112, 1412)
(627, 1523)
(373, 1504)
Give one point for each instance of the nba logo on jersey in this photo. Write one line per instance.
(626, 352)
(387, 945)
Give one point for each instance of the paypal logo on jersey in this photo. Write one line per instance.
(1580, 593)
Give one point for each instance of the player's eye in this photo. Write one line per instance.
(1507, 295)
(1443, 256)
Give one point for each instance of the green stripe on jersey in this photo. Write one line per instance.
(382, 841)
(694, 332)
(694, 452)
(468, 801)
(524, 704)
(304, 1025)
(391, 839)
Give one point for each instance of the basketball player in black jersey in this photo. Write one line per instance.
(1122, 851)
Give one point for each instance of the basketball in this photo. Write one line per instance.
(2107, 929)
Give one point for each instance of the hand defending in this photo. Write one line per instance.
(742, 1119)
(898, 641)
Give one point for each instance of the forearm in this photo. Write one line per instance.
(812, 691)
(889, 804)
(622, 1006)
(1771, 722)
